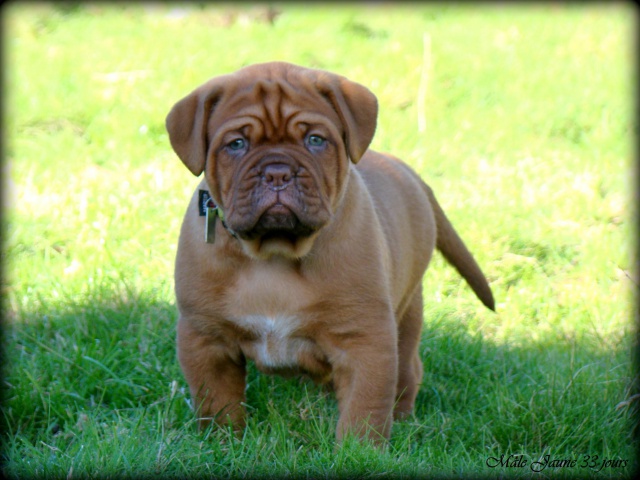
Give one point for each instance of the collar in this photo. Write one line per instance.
(207, 208)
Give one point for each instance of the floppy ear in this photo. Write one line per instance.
(187, 124)
(357, 108)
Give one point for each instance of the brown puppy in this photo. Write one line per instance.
(315, 246)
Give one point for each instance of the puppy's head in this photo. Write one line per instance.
(274, 141)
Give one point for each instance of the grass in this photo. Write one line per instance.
(527, 143)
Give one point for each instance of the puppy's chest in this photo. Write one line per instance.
(267, 306)
(271, 343)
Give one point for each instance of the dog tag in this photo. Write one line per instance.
(211, 214)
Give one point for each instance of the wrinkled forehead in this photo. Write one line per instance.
(273, 98)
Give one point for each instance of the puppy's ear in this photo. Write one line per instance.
(187, 124)
(357, 108)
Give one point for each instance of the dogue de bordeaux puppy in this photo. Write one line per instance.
(301, 249)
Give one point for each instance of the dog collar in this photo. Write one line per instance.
(208, 209)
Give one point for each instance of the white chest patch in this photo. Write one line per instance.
(275, 346)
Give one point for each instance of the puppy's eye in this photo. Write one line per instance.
(315, 141)
(237, 144)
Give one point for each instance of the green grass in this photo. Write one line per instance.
(527, 143)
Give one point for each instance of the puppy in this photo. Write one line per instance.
(301, 249)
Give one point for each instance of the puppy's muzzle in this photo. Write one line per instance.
(282, 200)
(278, 221)
(277, 176)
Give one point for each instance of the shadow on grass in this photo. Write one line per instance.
(477, 399)
(559, 397)
(114, 352)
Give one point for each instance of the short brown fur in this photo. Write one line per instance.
(318, 267)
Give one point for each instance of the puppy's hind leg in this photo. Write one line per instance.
(409, 363)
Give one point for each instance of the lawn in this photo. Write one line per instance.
(519, 117)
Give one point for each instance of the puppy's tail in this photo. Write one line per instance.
(457, 254)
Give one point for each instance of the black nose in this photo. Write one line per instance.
(277, 175)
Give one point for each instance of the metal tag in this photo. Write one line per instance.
(210, 224)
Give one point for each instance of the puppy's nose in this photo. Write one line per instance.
(277, 175)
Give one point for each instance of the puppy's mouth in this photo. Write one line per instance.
(278, 208)
(278, 222)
